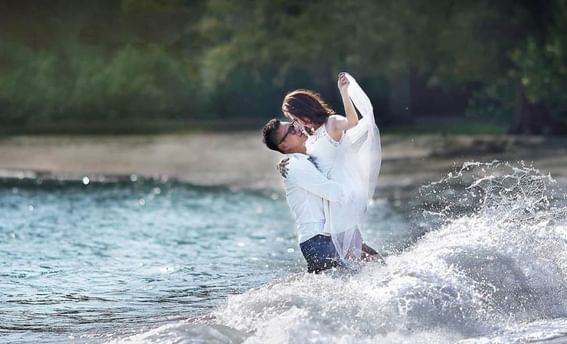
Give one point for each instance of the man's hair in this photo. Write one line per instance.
(270, 133)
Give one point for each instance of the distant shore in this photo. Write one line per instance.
(240, 160)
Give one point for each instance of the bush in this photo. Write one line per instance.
(78, 83)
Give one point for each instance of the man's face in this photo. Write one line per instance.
(291, 138)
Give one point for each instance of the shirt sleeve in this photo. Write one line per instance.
(305, 175)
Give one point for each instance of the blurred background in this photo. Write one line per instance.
(124, 66)
(135, 190)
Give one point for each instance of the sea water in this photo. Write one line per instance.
(479, 257)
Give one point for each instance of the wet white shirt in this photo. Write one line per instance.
(306, 188)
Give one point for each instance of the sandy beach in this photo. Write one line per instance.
(240, 159)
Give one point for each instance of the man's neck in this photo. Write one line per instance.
(301, 151)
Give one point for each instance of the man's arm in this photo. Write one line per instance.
(305, 175)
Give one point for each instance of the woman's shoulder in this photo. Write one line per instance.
(335, 118)
(325, 133)
(335, 128)
(336, 124)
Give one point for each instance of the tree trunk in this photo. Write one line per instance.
(399, 107)
(529, 118)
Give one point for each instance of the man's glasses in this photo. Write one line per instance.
(290, 130)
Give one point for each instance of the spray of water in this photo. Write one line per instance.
(493, 265)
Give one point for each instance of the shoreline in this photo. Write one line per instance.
(240, 160)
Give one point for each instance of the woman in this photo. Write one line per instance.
(345, 149)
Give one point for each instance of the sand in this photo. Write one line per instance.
(240, 160)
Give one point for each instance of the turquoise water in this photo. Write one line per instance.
(478, 257)
(80, 262)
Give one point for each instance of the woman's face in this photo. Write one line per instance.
(304, 123)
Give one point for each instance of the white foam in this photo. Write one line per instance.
(501, 264)
(494, 270)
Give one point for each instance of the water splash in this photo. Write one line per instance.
(492, 268)
(497, 188)
(498, 258)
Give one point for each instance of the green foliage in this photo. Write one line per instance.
(494, 102)
(448, 41)
(149, 5)
(542, 64)
(77, 82)
(146, 59)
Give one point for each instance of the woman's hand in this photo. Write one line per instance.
(343, 83)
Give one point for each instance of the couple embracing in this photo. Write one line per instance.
(330, 172)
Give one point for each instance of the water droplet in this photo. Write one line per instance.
(86, 180)
(133, 178)
(142, 201)
(290, 250)
(166, 269)
(30, 207)
(240, 244)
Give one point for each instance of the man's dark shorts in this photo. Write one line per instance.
(320, 253)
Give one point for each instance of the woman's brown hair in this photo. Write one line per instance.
(306, 105)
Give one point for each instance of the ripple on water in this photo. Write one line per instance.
(87, 259)
(212, 264)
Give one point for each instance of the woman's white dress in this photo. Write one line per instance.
(354, 162)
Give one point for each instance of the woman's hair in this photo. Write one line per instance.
(307, 105)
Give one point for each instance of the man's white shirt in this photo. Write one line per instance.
(306, 189)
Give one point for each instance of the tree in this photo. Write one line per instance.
(451, 44)
(541, 77)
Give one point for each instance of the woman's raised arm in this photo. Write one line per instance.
(350, 111)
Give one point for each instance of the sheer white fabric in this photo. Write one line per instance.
(353, 162)
(365, 139)
(333, 160)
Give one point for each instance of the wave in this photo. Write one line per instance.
(494, 265)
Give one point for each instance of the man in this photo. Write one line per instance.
(306, 189)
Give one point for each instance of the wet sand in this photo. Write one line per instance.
(240, 159)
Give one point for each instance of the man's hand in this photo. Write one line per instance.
(282, 167)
